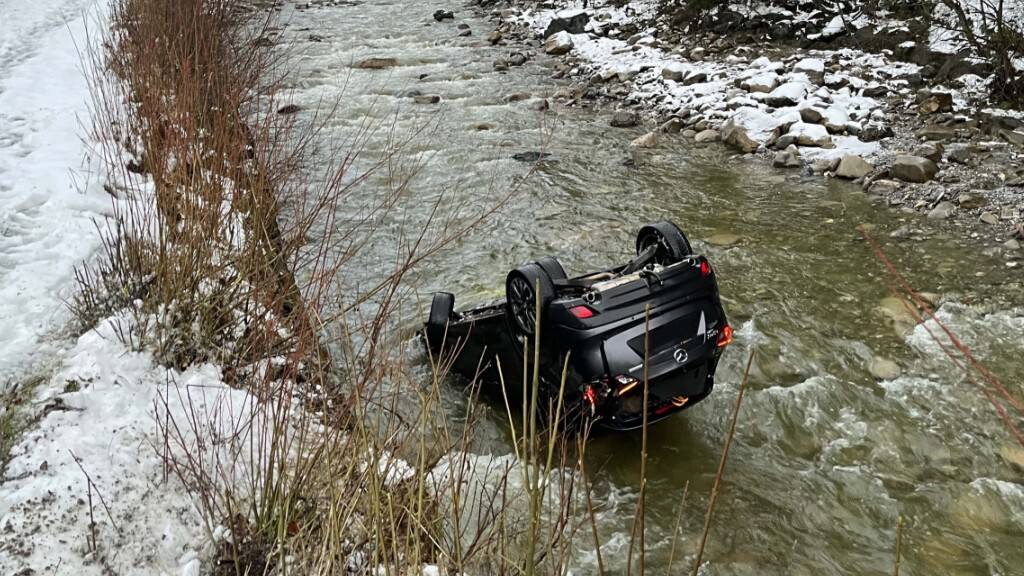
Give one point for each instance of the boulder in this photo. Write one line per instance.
(649, 140)
(788, 158)
(810, 135)
(695, 77)
(969, 201)
(929, 102)
(884, 369)
(788, 94)
(671, 126)
(624, 119)
(988, 218)
(376, 63)
(706, 136)
(914, 169)
(962, 155)
(764, 83)
(571, 21)
(1015, 137)
(814, 68)
(943, 210)
(674, 71)
(811, 115)
(558, 44)
(853, 167)
(835, 120)
(441, 15)
(932, 151)
(934, 132)
(884, 187)
(736, 136)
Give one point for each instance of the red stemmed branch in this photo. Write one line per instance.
(995, 392)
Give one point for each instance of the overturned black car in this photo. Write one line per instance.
(662, 306)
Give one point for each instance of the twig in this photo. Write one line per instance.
(98, 493)
(899, 545)
(721, 466)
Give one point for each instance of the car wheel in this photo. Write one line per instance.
(672, 243)
(441, 307)
(553, 267)
(521, 294)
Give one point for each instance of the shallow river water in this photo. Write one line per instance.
(826, 457)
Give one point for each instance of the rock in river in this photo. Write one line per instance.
(853, 167)
(624, 119)
(884, 369)
(441, 15)
(558, 44)
(914, 169)
(706, 136)
(531, 156)
(723, 239)
(788, 158)
(376, 63)
(944, 210)
(811, 135)
(649, 140)
(736, 136)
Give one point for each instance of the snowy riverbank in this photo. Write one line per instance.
(918, 134)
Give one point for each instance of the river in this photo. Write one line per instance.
(826, 456)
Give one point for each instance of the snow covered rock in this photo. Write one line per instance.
(788, 94)
(571, 21)
(560, 43)
(649, 140)
(944, 210)
(853, 167)
(810, 135)
(814, 68)
(736, 136)
(674, 71)
(914, 169)
(835, 120)
(764, 82)
(695, 77)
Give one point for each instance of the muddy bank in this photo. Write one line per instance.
(909, 123)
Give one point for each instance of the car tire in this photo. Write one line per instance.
(441, 307)
(673, 245)
(521, 294)
(553, 267)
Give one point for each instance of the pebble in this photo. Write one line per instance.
(944, 210)
(884, 369)
(988, 218)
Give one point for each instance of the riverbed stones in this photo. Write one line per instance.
(376, 63)
(811, 115)
(624, 119)
(426, 99)
(852, 167)
(788, 158)
(763, 83)
(558, 44)
(706, 136)
(933, 132)
(674, 71)
(814, 68)
(884, 187)
(932, 151)
(970, 201)
(736, 136)
(516, 59)
(943, 210)
(914, 169)
(695, 77)
(671, 126)
(930, 102)
(494, 37)
(788, 94)
(442, 15)
(988, 218)
(884, 369)
(697, 53)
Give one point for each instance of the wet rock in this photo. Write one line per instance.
(441, 15)
(427, 99)
(875, 131)
(624, 119)
(517, 97)
(895, 309)
(465, 32)
(962, 156)
(517, 59)
(723, 239)
(814, 68)
(671, 126)
(884, 369)
(1015, 137)
(376, 63)
(784, 141)
(570, 21)
(649, 140)
(736, 136)
(943, 210)
(481, 126)
(810, 135)
(930, 102)
(697, 53)
(540, 104)
(531, 156)
(494, 37)
(931, 151)
(914, 169)
(934, 132)
(788, 158)
(884, 187)
(501, 65)
(1011, 244)
(289, 109)
(988, 218)
(852, 167)
(558, 44)
(689, 133)
(706, 136)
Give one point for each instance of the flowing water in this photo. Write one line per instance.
(825, 458)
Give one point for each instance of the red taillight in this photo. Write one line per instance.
(705, 268)
(725, 337)
(581, 312)
(590, 395)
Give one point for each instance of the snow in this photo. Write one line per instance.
(151, 527)
(48, 187)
